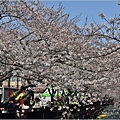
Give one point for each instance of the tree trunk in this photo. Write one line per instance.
(17, 80)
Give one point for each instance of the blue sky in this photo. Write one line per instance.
(88, 8)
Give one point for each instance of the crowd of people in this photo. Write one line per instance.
(84, 105)
(22, 106)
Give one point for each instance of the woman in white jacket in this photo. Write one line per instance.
(37, 103)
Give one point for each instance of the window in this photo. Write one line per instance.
(12, 78)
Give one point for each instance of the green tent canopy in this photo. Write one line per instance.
(48, 95)
(45, 95)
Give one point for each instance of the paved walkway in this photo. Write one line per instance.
(111, 113)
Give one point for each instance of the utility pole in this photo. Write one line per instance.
(8, 82)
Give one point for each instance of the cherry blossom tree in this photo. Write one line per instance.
(42, 44)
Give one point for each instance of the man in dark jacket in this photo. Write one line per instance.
(11, 107)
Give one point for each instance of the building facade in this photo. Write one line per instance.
(14, 82)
